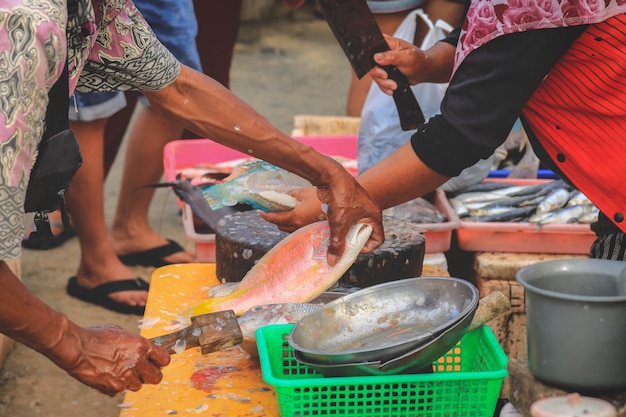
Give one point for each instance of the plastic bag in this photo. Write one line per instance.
(380, 133)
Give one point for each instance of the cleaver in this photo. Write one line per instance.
(356, 30)
(211, 332)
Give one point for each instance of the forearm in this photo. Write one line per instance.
(400, 177)
(208, 109)
(438, 63)
(26, 319)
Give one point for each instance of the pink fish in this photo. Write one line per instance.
(296, 270)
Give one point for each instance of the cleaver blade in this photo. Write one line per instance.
(356, 30)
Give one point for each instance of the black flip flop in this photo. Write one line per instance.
(100, 294)
(154, 257)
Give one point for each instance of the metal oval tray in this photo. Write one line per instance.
(384, 321)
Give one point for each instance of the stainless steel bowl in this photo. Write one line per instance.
(383, 322)
(415, 361)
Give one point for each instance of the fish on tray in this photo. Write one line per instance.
(262, 185)
(553, 202)
(296, 270)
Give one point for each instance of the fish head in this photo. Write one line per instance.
(357, 237)
(282, 313)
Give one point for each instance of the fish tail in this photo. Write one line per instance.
(212, 196)
(203, 307)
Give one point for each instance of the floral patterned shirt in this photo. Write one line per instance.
(488, 19)
(109, 46)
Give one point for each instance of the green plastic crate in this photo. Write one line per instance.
(465, 382)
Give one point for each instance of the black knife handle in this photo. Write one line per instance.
(409, 110)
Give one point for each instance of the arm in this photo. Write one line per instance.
(400, 177)
(206, 108)
(106, 358)
(477, 114)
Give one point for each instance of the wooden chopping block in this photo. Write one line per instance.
(243, 238)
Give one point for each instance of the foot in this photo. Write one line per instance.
(109, 269)
(150, 249)
(100, 295)
(61, 233)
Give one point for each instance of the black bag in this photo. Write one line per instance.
(58, 156)
(58, 159)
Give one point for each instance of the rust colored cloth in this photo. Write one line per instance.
(578, 113)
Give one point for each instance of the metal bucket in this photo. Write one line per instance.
(576, 323)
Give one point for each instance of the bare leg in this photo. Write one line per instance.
(131, 230)
(85, 203)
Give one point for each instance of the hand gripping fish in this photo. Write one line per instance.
(296, 270)
(262, 185)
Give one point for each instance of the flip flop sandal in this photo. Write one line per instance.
(100, 294)
(154, 257)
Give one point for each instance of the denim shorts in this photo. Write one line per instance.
(393, 6)
(175, 25)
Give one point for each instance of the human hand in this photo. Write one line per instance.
(110, 359)
(308, 210)
(345, 202)
(405, 56)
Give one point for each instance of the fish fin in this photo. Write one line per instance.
(222, 195)
(223, 289)
(203, 307)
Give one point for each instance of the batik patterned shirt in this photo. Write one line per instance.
(109, 47)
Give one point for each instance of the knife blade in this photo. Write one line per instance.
(356, 30)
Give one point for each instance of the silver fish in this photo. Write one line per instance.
(479, 197)
(264, 315)
(282, 313)
(512, 214)
(459, 208)
(567, 215)
(591, 216)
(553, 201)
(576, 197)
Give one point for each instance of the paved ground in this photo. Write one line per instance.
(286, 66)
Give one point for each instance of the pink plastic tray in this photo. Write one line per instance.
(188, 153)
(439, 235)
(524, 237)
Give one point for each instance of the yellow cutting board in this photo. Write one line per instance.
(225, 383)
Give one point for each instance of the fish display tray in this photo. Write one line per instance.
(187, 153)
(516, 237)
(465, 382)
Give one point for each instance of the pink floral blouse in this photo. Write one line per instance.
(488, 19)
